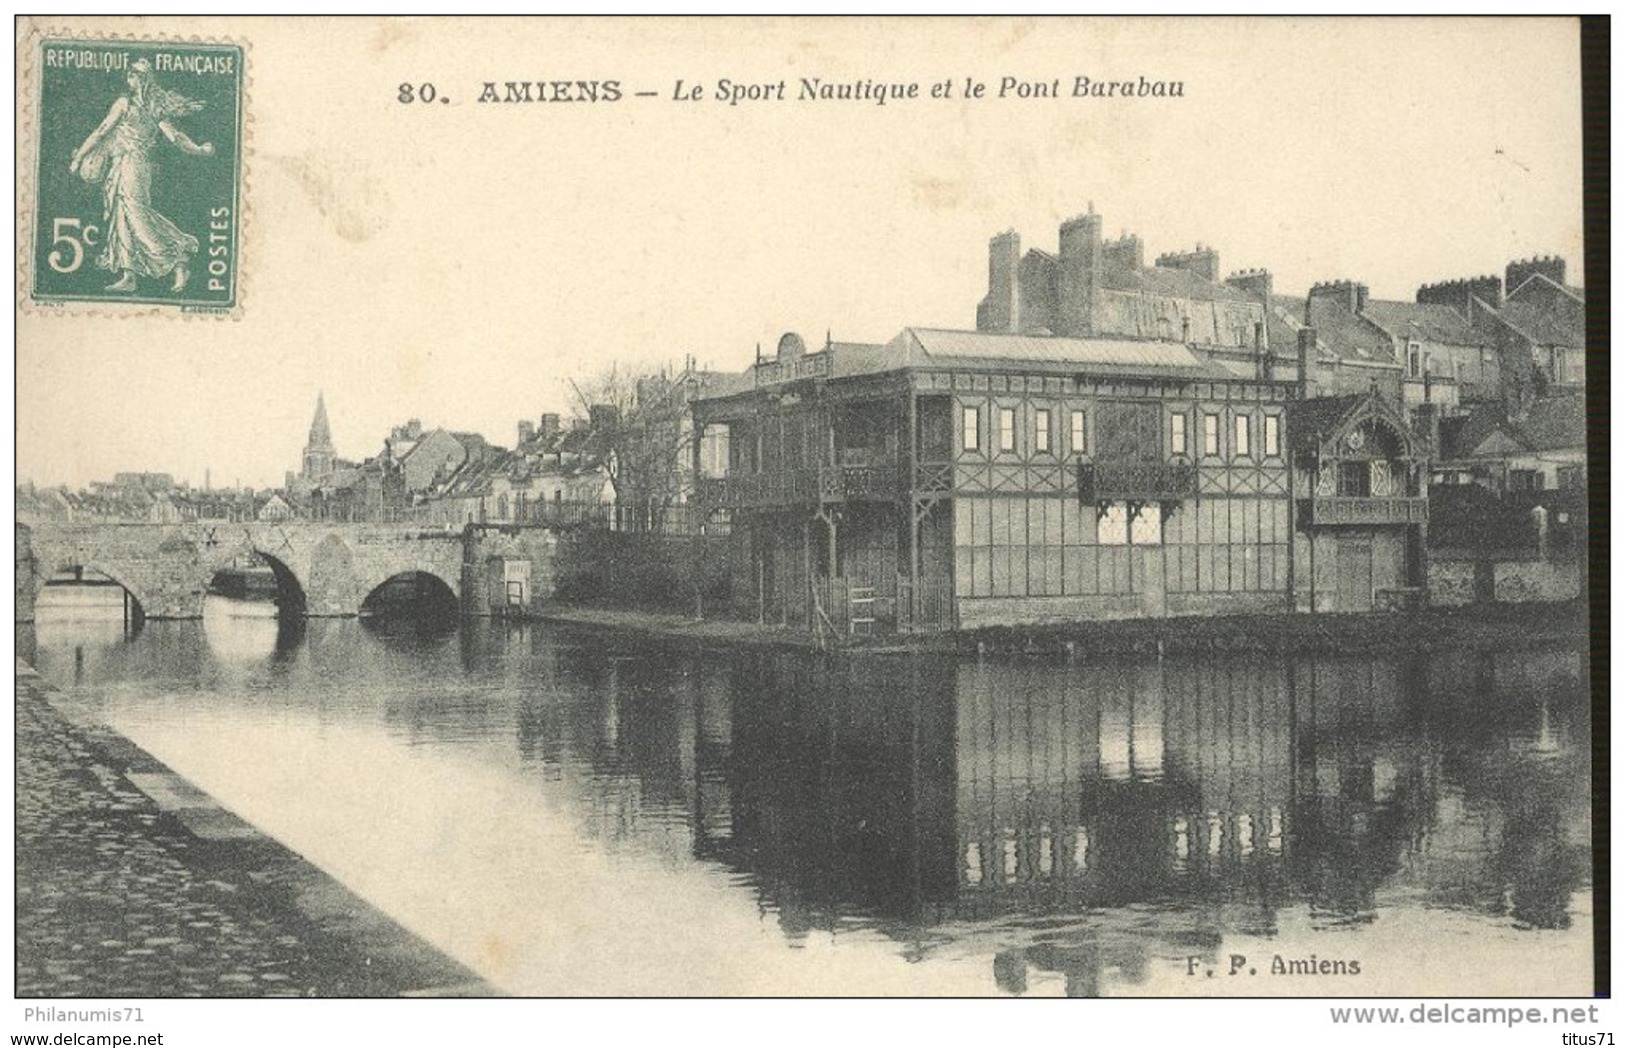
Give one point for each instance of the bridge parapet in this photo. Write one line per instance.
(167, 567)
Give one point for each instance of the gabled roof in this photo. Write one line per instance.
(412, 447)
(473, 443)
(1315, 419)
(1112, 356)
(1539, 282)
(1555, 422)
(1424, 322)
(1550, 424)
(1283, 320)
(474, 476)
(1000, 351)
(1348, 337)
(1544, 327)
(1485, 431)
(1315, 422)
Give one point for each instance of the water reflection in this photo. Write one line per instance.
(1078, 827)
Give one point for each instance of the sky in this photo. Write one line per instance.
(460, 262)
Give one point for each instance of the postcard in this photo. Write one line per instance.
(792, 507)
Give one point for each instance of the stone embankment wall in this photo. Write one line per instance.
(1456, 583)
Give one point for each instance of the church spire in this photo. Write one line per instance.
(319, 451)
(321, 437)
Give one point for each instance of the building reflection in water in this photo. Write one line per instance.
(1072, 821)
(1084, 819)
(1172, 802)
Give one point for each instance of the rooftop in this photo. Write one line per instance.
(1103, 354)
(1550, 424)
(1429, 322)
(1176, 283)
(1545, 327)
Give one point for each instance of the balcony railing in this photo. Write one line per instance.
(794, 486)
(1159, 482)
(1346, 510)
(814, 365)
(874, 481)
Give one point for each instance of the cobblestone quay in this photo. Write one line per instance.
(131, 883)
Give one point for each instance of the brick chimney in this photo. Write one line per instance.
(1550, 266)
(527, 431)
(550, 425)
(1126, 252)
(1255, 282)
(1457, 293)
(1204, 262)
(1081, 264)
(998, 311)
(1036, 292)
(1427, 425)
(1346, 296)
(1306, 361)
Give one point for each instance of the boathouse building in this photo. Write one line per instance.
(1010, 475)
(964, 478)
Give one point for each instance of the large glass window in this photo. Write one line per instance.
(1272, 435)
(714, 439)
(1115, 527)
(1007, 429)
(1146, 530)
(1079, 443)
(1210, 434)
(1177, 434)
(1244, 436)
(1112, 527)
(1354, 479)
(1041, 430)
(973, 429)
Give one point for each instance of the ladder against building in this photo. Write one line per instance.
(862, 618)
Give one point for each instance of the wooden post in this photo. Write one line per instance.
(806, 565)
(909, 484)
(760, 559)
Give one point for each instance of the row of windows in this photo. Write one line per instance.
(1007, 430)
(1178, 440)
(1055, 547)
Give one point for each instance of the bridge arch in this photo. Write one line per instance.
(143, 603)
(290, 588)
(416, 590)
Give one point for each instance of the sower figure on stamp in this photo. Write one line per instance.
(119, 155)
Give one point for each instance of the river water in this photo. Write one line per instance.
(570, 812)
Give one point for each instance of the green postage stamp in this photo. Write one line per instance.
(138, 177)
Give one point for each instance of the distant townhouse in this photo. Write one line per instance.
(654, 445)
(1540, 329)
(1539, 446)
(553, 474)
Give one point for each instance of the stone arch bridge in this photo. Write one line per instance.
(328, 568)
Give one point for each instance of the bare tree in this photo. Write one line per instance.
(644, 418)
